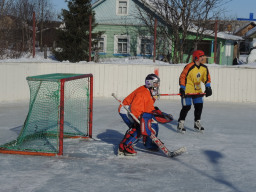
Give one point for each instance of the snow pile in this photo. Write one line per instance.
(39, 58)
(28, 58)
(252, 57)
(253, 43)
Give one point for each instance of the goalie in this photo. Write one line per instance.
(141, 104)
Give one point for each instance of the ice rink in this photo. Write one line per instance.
(222, 159)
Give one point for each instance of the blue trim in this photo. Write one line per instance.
(121, 55)
(208, 85)
(100, 53)
(183, 87)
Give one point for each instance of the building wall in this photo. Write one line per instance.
(229, 84)
(114, 24)
(106, 13)
(111, 31)
(227, 53)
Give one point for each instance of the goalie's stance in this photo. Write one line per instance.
(141, 104)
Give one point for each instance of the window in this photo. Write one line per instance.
(101, 44)
(145, 46)
(121, 44)
(122, 7)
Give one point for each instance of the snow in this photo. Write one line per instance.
(221, 159)
(39, 58)
(253, 43)
(252, 56)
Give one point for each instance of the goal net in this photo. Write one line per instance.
(60, 107)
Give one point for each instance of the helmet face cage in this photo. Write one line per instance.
(153, 82)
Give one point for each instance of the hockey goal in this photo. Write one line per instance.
(61, 106)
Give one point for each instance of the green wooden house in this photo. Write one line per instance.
(126, 36)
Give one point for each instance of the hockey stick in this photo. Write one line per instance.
(154, 138)
(180, 94)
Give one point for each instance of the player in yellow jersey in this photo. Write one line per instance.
(190, 82)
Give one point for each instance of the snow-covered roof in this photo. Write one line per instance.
(224, 35)
(194, 29)
(244, 26)
(251, 32)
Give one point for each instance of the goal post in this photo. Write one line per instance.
(61, 106)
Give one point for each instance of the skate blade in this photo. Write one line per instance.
(122, 154)
(181, 131)
(198, 130)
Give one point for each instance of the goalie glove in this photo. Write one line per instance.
(162, 117)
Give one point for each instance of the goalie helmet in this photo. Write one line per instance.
(152, 82)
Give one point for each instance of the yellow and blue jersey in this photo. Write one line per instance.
(192, 76)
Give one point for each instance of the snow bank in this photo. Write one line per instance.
(252, 57)
(39, 58)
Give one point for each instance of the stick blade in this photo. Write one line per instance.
(178, 152)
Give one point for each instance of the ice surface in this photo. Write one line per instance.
(222, 159)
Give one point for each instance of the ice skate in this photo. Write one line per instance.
(125, 150)
(180, 127)
(198, 126)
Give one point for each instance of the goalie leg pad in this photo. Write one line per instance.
(147, 120)
(148, 143)
(130, 137)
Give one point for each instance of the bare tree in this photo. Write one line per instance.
(44, 13)
(23, 12)
(181, 18)
(5, 7)
(16, 24)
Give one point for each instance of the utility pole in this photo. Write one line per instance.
(215, 41)
(90, 37)
(154, 55)
(34, 34)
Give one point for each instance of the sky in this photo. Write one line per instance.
(234, 9)
(241, 8)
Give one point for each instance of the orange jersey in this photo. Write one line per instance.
(140, 101)
(192, 76)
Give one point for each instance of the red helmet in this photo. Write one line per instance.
(197, 54)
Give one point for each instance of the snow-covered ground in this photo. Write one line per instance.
(39, 57)
(222, 159)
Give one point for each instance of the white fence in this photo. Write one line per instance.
(229, 84)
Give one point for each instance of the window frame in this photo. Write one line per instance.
(117, 7)
(139, 40)
(104, 45)
(116, 37)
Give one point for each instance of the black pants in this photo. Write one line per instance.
(197, 112)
